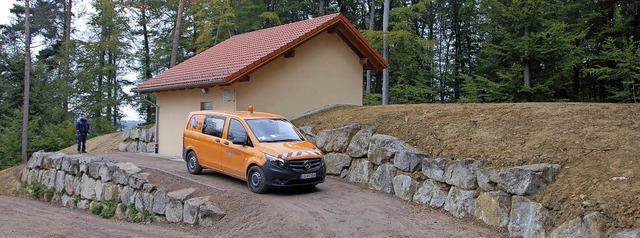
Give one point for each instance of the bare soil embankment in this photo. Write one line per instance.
(597, 146)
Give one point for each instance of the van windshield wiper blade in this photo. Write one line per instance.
(285, 140)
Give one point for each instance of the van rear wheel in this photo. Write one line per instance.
(256, 180)
(193, 166)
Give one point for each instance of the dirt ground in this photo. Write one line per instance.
(333, 209)
(597, 146)
(108, 142)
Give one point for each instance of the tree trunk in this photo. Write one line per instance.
(67, 42)
(27, 73)
(149, 112)
(321, 7)
(176, 35)
(527, 69)
(372, 12)
(385, 54)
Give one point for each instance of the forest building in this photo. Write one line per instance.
(287, 70)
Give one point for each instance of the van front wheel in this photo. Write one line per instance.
(193, 166)
(256, 180)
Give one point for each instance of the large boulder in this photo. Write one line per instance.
(591, 226)
(434, 168)
(383, 147)
(56, 160)
(520, 180)
(138, 201)
(462, 173)
(133, 146)
(404, 187)
(191, 208)
(359, 171)
(336, 140)
(122, 172)
(382, 178)
(460, 203)
(106, 172)
(134, 134)
(137, 180)
(336, 162)
(69, 184)
(174, 207)
(628, 234)
(151, 147)
(36, 159)
(432, 193)
(209, 214)
(142, 147)
(308, 133)
(110, 192)
(123, 146)
(94, 168)
(159, 201)
(151, 134)
(147, 201)
(126, 194)
(493, 208)
(99, 188)
(143, 135)
(126, 134)
(409, 160)
(84, 163)
(70, 165)
(527, 218)
(359, 145)
(88, 187)
(59, 181)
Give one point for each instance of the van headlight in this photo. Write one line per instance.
(275, 160)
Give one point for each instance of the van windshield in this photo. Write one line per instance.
(274, 130)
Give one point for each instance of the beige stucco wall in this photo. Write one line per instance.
(324, 71)
(174, 109)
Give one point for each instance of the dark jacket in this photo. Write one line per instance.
(83, 127)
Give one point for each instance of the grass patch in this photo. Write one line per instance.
(39, 190)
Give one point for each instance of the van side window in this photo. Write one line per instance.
(213, 126)
(237, 131)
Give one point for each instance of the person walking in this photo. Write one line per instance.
(82, 129)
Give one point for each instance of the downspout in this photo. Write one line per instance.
(157, 122)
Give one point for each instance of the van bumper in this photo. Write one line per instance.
(285, 177)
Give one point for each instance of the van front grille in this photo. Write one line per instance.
(301, 166)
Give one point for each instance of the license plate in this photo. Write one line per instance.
(308, 176)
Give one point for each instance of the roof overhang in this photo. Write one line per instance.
(172, 87)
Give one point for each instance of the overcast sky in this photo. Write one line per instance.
(6, 17)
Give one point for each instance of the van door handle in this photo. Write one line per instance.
(226, 143)
(218, 140)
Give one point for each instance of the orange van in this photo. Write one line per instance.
(263, 149)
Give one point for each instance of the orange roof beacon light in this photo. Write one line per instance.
(250, 109)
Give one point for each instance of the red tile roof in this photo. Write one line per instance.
(239, 55)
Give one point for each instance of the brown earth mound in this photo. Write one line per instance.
(108, 142)
(9, 180)
(597, 146)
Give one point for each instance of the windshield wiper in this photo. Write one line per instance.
(284, 140)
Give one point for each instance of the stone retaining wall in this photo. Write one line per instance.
(497, 196)
(139, 140)
(82, 182)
